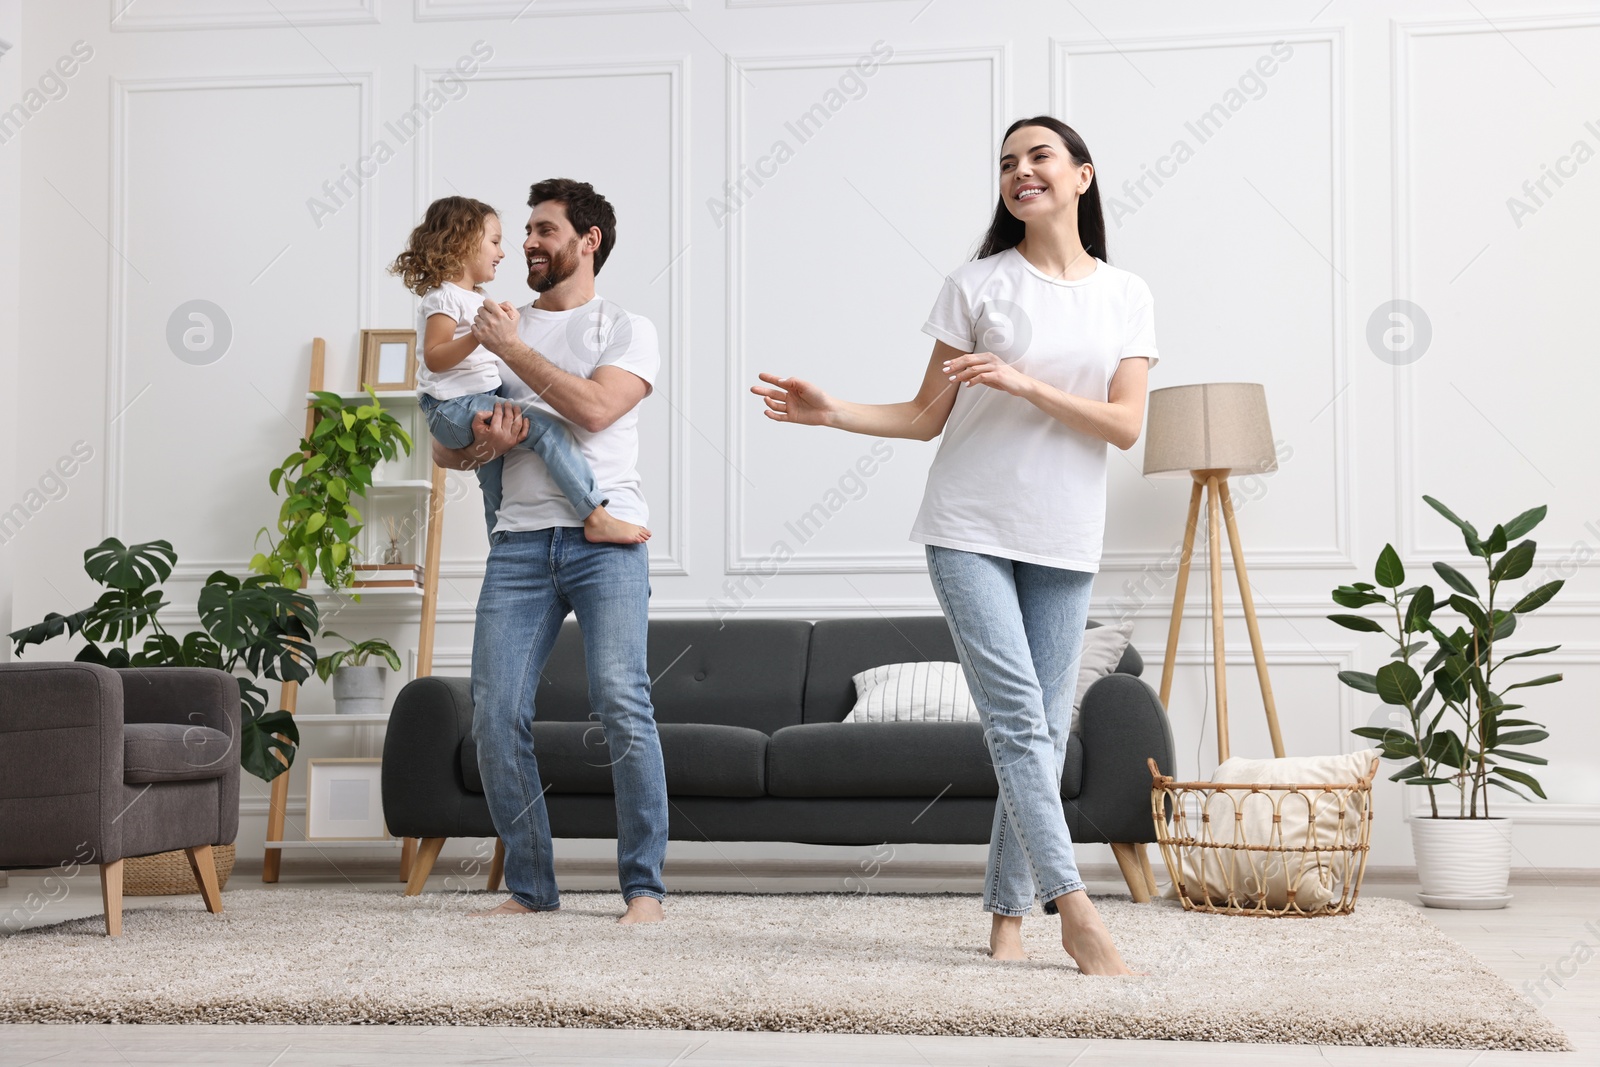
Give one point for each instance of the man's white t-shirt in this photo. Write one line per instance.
(1009, 480)
(578, 341)
(477, 373)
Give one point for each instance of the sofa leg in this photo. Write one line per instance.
(497, 866)
(422, 866)
(1132, 873)
(111, 896)
(1143, 853)
(204, 866)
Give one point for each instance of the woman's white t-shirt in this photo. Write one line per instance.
(479, 372)
(1009, 480)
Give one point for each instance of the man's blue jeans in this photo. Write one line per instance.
(532, 580)
(1018, 630)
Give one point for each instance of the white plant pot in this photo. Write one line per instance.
(358, 690)
(1463, 863)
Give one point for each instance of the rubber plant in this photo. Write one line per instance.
(1457, 730)
(318, 523)
(251, 624)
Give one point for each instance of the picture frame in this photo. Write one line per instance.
(344, 800)
(388, 360)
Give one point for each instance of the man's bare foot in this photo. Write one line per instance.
(1086, 939)
(510, 907)
(1005, 938)
(604, 528)
(642, 910)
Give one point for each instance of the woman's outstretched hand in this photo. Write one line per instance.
(792, 400)
(986, 368)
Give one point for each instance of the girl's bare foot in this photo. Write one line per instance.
(604, 528)
(1005, 938)
(1085, 937)
(642, 910)
(510, 907)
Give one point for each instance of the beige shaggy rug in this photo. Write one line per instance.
(873, 964)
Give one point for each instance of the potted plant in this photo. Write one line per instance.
(357, 685)
(317, 522)
(1458, 732)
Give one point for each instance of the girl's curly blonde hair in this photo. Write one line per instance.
(438, 250)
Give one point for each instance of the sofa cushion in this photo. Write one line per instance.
(702, 760)
(748, 673)
(880, 759)
(842, 648)
(173, 752)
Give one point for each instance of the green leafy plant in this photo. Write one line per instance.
(317, 523)
(250, 623)
(356, 655)
(1467, 742)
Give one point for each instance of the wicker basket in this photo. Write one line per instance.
(1308, 863)
(168, 874)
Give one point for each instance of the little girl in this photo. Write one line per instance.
(448, 258)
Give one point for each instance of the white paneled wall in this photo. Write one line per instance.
(792, 180)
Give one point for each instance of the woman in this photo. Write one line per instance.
(1048, 348)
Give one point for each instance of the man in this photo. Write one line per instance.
(574, 355)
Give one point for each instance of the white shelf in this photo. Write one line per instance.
(348, 720)
(318, 589)
(401, 483)
(403, 395)
(393, 842)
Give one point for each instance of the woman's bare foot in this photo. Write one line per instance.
(1005, 938)
(1085, 937)
(510, 907)
(642, 910)
(604, 528)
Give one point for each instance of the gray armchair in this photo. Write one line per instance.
(97, 765)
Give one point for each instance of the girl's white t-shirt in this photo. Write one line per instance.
(1009, 480)
(479, 372)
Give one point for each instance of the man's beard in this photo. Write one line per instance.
(563, 265)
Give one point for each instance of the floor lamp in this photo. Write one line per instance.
(1210, 432)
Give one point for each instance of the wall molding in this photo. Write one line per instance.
(126, 17)
(1268, 557)
(1402, 34)
(676, 69)
(122, 93)
(738, 559)
(448, 11)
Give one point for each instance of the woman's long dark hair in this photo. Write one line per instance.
(1006, 230)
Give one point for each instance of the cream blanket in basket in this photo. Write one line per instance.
(1309, 818)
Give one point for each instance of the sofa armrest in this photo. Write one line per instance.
(60, 764)
(192, 696)
(1122, 724)
(424, 794)
(188, 696)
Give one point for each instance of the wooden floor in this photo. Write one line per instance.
(1543, 933)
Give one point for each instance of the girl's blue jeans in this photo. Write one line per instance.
(450, 422)
(1018, 630)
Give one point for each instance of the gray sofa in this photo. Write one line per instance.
(749, 716)
(97, 765)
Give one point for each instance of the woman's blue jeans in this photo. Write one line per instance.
(1018, 630)
(533, 579)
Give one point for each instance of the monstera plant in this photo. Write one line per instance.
(253, 625)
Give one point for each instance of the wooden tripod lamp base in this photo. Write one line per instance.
(1209, 431)
(1214, 484)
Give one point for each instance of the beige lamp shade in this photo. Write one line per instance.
(1210, 426)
